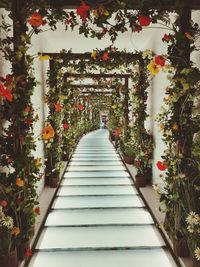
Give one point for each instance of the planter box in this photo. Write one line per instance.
(180, 247)
(128, 159)
(54, 179)
(140, 181)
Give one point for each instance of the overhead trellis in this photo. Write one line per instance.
(179, 127)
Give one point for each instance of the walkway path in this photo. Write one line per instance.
(97, 218)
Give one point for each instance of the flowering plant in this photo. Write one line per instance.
(8, 233)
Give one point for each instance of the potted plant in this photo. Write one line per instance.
(128, 151)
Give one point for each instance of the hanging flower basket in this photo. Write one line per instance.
(9, 260)
(140, 181)
(54, 179)
(180, 247)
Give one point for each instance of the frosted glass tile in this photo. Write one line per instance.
(99, 237)
(95, 158)
(95, 149)
(96, 174)
(96, 190)
(95, 168)
(75, 202)
(95, 163)
(98, 217)
(120, 258)
(97, 181)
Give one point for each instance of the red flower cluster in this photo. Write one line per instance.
(144, 20)
(161, 165)
(159, 60)
(36, 20)
(116, 133)
(57, 107)
(105, 56)
(65, 126)
(80, 107)
(166, 38)
(5, 93)
(82, 11)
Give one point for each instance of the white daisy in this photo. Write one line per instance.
(193, 218)
(7, 221)
(197, 253)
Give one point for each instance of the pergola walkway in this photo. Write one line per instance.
(97, 218)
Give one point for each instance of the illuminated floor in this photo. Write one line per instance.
(97, 218)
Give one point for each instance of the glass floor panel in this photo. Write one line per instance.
(120, 258)
(75, 202)
(99, 237)
(96, 190)
(95, 158)
(95, 168)
(96, 174)
(95, 163)
(97, 181)
(98, 217)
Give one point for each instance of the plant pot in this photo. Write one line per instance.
(54, 179)
(21, 250)
(148, 175)
(65, 157)
(180, 247)
(140, 181)
(112, 137)
(128, 159)
(9, 260)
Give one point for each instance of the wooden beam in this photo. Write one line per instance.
(134, 5)
(96, 75)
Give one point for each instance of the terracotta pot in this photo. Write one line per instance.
(129, 159)
(140, 181)
(21, 250)
(180, 247)
(9, 260)
(54, 179)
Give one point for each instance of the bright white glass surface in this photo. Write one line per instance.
(95, 163)
(99, 237)
(120, 258)
(95, 168)
(96, 174)
(99, 217)
(97, 190)
(97, 202)
(97, 181)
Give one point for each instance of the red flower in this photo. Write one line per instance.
(104, 30)
(37, 210)
(28, 121)
(144, 20)
(35, 20)
(5, 93)
(4, 203)
(57, 107)
(161, 165)
(80, 107)
(82, 11)
(166, 38)
(28, 252)
(159, 60)
(44, 22)
(65, 126)
(105, 56)
(8, 80)
(116, 132)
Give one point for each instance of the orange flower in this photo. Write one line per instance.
(175, 126)
(15, 231)
(37, 210)
(105, 56)
(4, 203)
(35, 20)
(48, 132)
(20, 182)
(57, 107)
